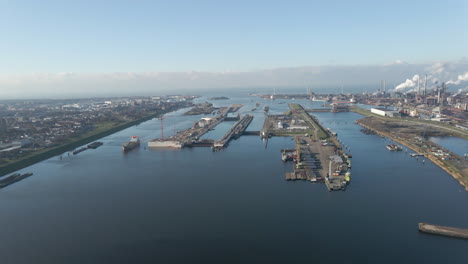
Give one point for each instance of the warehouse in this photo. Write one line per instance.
(385, 112)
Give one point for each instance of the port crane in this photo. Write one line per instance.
(162, 124)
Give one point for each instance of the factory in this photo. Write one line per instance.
(385, 112)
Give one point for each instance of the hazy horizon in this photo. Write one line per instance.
(353, 78)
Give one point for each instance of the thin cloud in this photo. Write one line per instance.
(403, 75)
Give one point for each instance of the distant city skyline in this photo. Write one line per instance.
(78, 46)
(357, 78)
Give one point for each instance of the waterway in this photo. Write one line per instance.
(231, 206)
(456, 145)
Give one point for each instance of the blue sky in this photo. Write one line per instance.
(139, 36)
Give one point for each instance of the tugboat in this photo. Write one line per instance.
(133, 143)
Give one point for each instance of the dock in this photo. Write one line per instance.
(443, 230)
(191, 137)
(318, 155)
(318, 110)
(251, 133)
(234, 132)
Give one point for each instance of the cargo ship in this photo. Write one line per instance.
(13, 178)
(133, 143)
(95, 145)
(165, 143)
(266, 108)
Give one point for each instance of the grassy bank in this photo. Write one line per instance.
(101, 130)
(311, 121)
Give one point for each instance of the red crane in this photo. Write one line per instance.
(162, 125)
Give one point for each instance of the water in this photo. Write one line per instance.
(232, 206)
(456, 145)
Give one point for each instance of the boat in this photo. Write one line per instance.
(95, 145)
(133, 143)
(347, 176)
(23, 176)
(393, 147)
(13, 178)
(79, 150)
(266, 108)
(15, 175)
(165, 143)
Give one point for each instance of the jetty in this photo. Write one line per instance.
(443, 230)
(235, 132)
(318, 155)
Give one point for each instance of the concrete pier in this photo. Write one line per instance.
(236, 131)
(443, 230)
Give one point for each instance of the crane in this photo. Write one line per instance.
(162, 124)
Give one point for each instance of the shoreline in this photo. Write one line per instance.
(54, 151)
(455, 174)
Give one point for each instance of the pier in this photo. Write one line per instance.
(318, 110)
(318, 155)
(443, 230)
(234, 132)
(191, 137)
(251, 133)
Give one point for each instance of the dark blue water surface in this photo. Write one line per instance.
(456, 145)
(232, 206)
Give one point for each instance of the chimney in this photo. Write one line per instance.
(419, 86)
(425, 85)
(384, 86)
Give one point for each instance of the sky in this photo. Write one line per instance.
(108, 38)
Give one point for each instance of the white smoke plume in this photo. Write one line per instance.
(461, 78)
(408, 83)
(461, 91)
(451, 72)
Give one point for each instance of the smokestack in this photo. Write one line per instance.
(384, 86)
(438, 95)
(425, 85)
(419, 86)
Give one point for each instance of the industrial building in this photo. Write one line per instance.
(385, 112)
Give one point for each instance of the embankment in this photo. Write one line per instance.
(54, 151)
(456, 173)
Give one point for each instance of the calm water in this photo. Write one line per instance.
(454, 144)
(232, 206)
